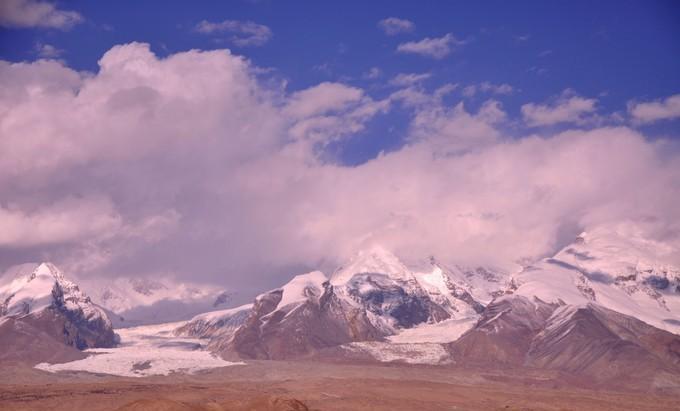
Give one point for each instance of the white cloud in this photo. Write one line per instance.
(409, 79)
(33, 13)
(487, 87)
(190, 164)
(329, 111)
(47, 51)
(244, 33)
(567, 108)
(436, 48)
(469, 91)
(68, 220)
(392, 26)
(321, 99)
(372, 73)
(455, 130)
(649, 112)
(503, 88)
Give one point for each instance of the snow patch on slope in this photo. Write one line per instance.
(442, 332)
(302, 288)
(403, 353)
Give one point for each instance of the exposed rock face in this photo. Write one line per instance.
(48, 306)
(404, 303)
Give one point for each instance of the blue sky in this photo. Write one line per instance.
(614, 51)
(481, 132)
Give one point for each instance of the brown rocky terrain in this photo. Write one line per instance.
(276, 385)
(589, 341)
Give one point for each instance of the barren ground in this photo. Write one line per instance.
(270, 385)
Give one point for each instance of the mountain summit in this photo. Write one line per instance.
(42, 308)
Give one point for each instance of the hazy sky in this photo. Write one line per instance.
(241, 142)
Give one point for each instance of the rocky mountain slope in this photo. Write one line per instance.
(42, 314)
(587, 340)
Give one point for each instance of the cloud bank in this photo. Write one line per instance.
(191, 165)
(33, 13)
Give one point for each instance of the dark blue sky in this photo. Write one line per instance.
(614, 51)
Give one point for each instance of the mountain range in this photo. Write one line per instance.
(604, 307)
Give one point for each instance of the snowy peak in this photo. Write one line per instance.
(44, 302)
(46, 286)
(303, 288)
(623, 254)
(614, 267)
(376, 260)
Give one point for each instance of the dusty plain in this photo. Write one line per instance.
(279, 385)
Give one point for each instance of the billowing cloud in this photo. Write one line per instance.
(35, 13)
(393, 26)
(190, 165)
(567, 108)
(329, 111)
(652, 111)
(243, 33)
(436, 48)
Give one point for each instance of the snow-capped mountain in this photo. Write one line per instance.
(602, 307)
(302, 317)
(613, 268)
(43, 304)
(372, 297)
(139, 301)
